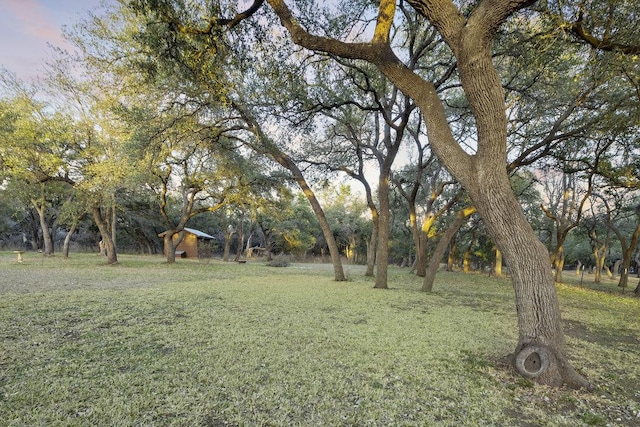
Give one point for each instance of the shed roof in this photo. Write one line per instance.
(198, 233)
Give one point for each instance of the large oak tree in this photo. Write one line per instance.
(541, 347)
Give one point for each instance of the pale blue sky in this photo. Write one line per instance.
(27, 26)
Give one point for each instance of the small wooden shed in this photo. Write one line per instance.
(188, 248)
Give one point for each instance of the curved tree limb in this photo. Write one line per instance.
(578, 30)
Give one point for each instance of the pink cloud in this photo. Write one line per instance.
(33, 18)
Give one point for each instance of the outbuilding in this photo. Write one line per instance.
(191, 243)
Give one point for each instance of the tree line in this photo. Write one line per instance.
(512, 125)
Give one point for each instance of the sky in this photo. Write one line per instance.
(27, 27)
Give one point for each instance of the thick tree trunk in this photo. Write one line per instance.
(537, 305)
(169, 247)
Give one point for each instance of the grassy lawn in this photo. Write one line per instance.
(212, 344)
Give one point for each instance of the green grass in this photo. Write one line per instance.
(212, 344)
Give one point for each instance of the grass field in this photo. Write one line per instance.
(211, 344)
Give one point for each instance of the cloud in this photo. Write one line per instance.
(26, 27)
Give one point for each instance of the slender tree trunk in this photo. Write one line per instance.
(114, 220)
(599, 261)
(466, 267)
(267, 246)
(334, 251)
(441, 248)
(559, 263)
(371, 246)
(46, 235)
(498, 267)
(382, 252)
(616, 268)
(628, 247)
(418, 242)
(240, 246)
(227, 243)
(67, 239)
(452, 254)
(624, 276)
(422, 262)
(267, 146)
(105, 234)
(466, 262)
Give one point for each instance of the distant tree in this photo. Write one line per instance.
(36, 154)
(346, 213)
(566, 201)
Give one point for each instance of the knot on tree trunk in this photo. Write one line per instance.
(546, 366)
(533, 361)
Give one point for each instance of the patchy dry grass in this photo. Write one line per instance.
(212, 344)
